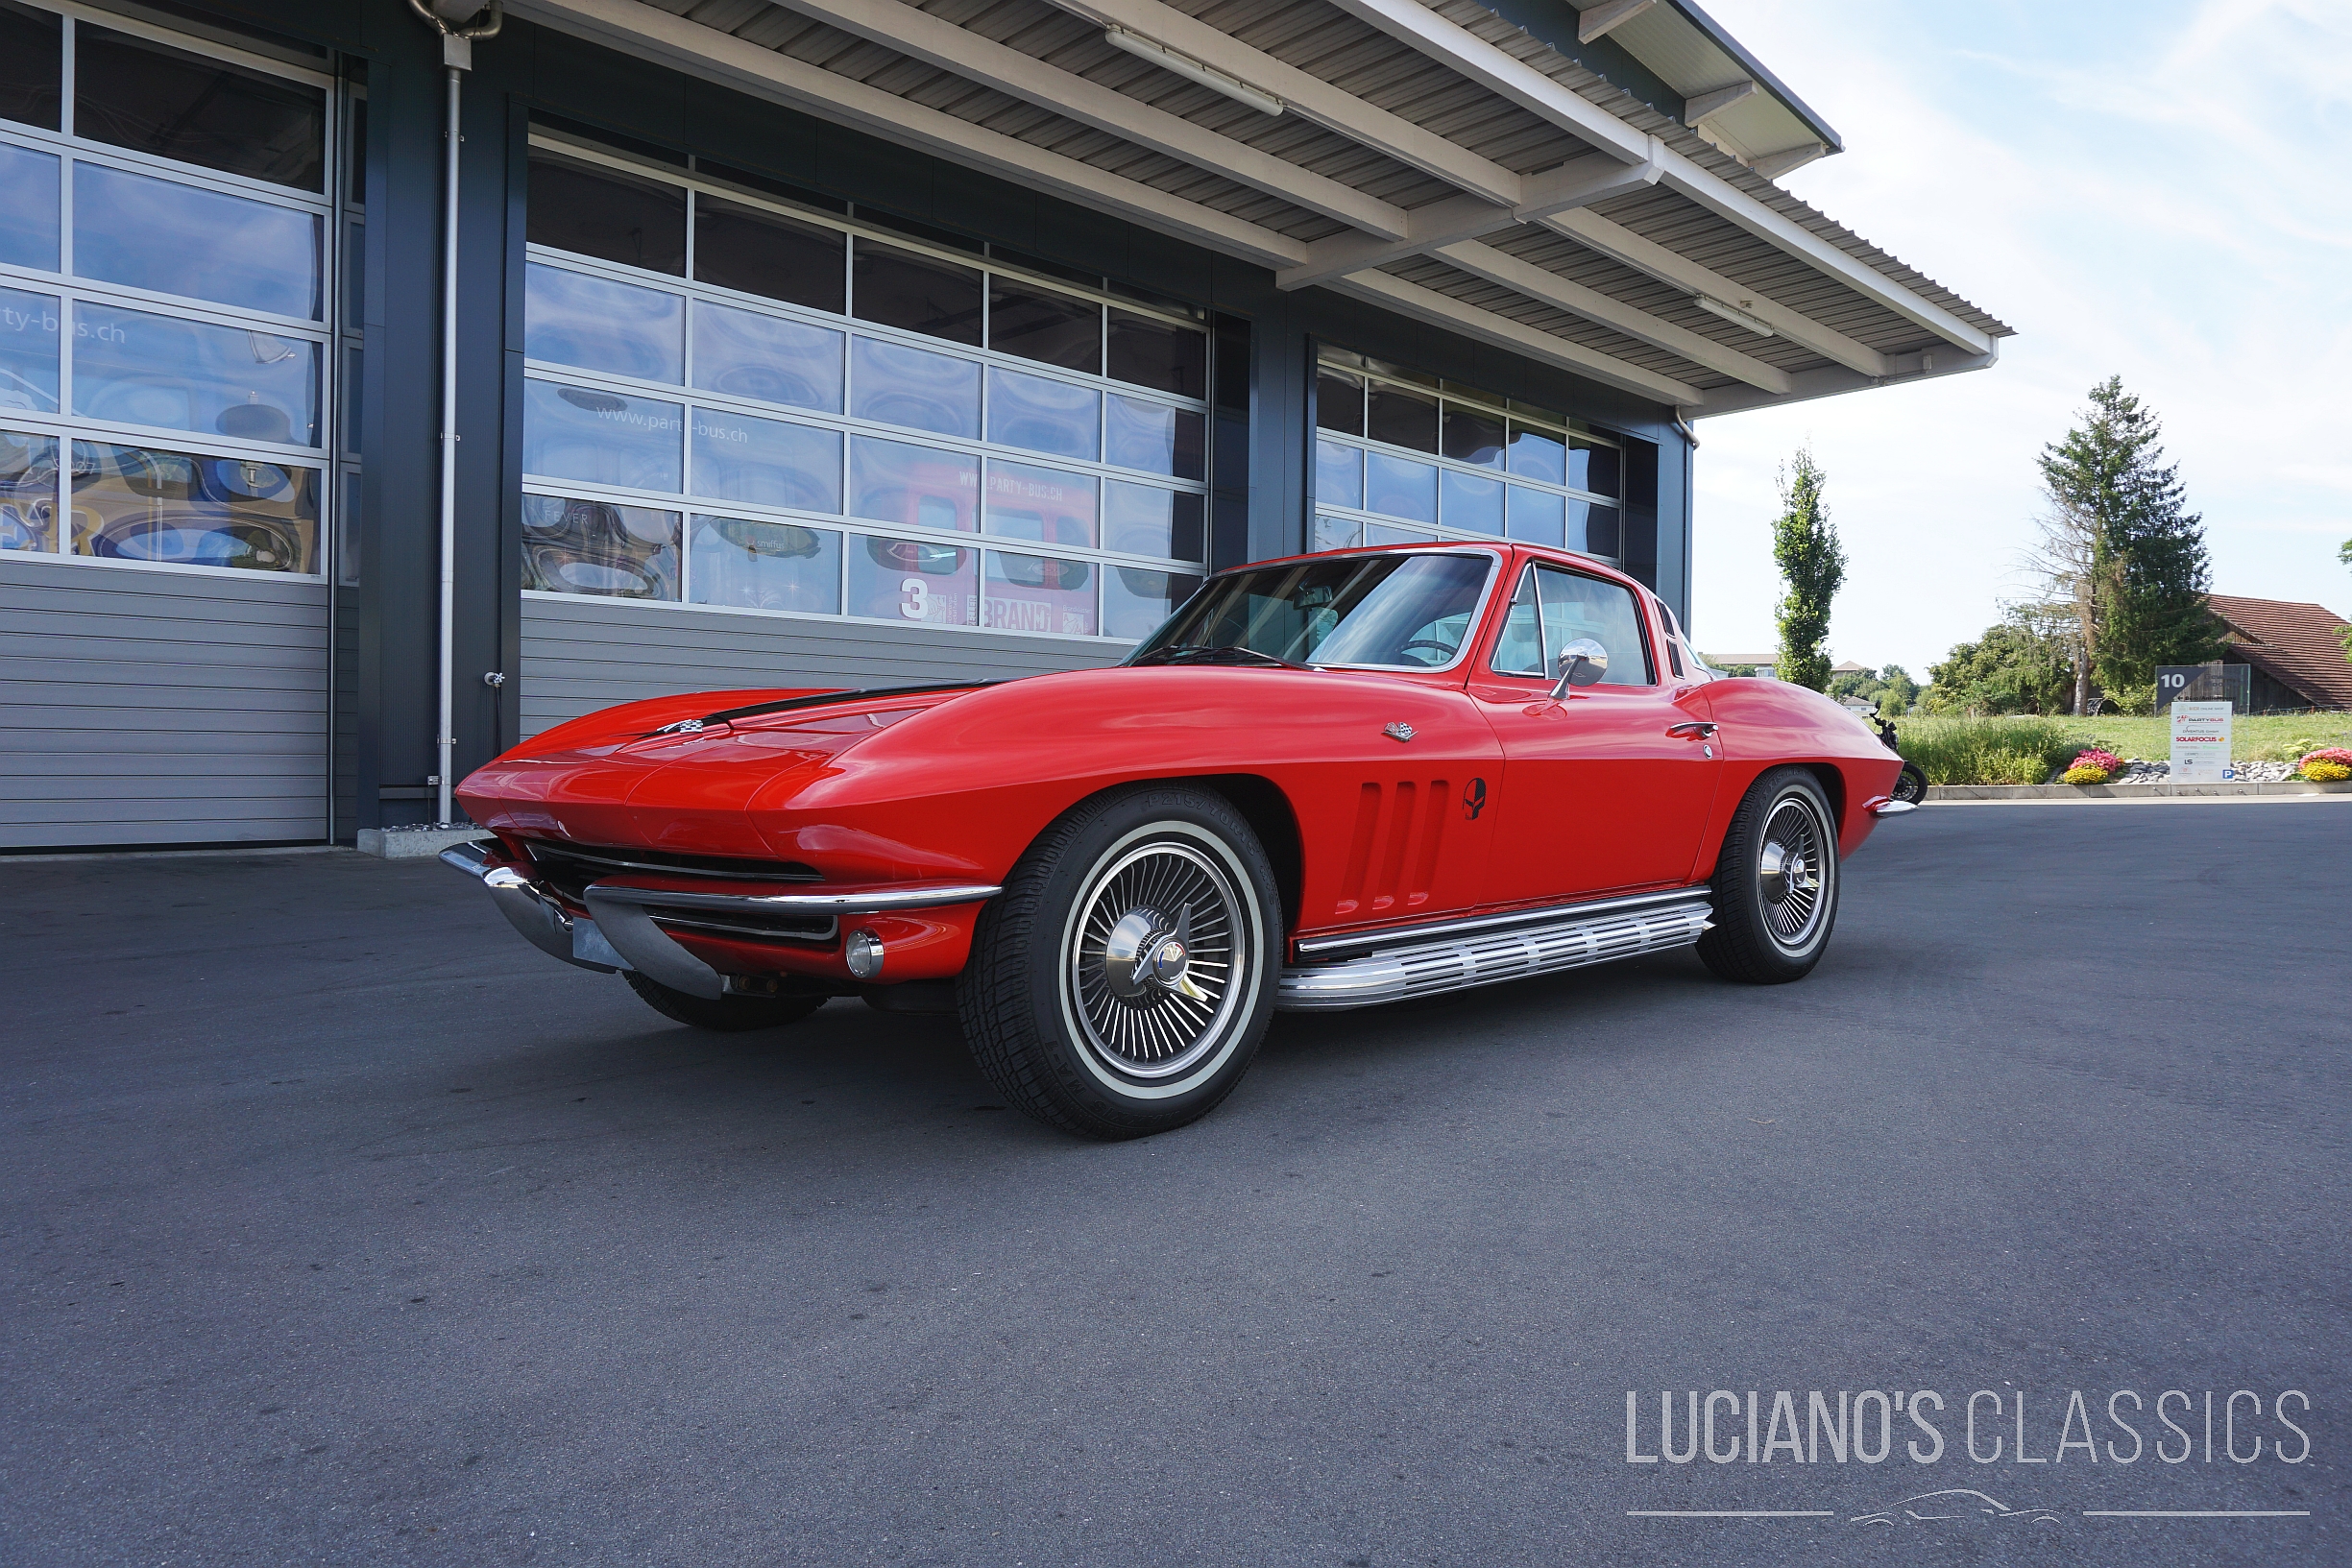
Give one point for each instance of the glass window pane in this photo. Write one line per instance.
(30, 63)
(1472, 504)
(1136, 599)
(28, 490)
(1145, 520)
(746, 355)
(595, 211)
(1401, 487)
(153, 98)
(578, 546)
(1339, 474)
(1339, 401)
(739, 247)
(28, 351)
(1044, 415)
(569, 318)
(1401, 417)
(899, 288)
(160, 234)
(766, 566)
(1576, 606)
(135, 504)
(1537, 454)
(1335, 534)
(1593, 466)
(891, 481)
(1604, 532)
(1379, 534)
(1052, 329)
(911, 580)
(1519, 649)
(600, 437)
(892, 384)
(28, 208)
(1153, 436)
(354, 264)
(1537, 517)
(1158, 354)
(770, 462)
(1040, 593)
(187, 375)
(1043, 504)
(1473, 437)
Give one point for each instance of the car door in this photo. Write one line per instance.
(1608, 788)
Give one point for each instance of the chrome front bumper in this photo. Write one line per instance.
(619, 930)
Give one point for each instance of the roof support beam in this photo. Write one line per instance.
(1499, 267)
(1443, 310)
(1460, 218)
(1597, 21)
(1832, 380)
(1457, 48)
(1707, 105)
(651, 34)
(1788, 160)
(942, 44)
(1623, 246)
(1307, 95)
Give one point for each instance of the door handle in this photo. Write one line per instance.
(1693, 730)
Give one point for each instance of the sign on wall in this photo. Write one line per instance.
(2205, 683)
(2201, 742)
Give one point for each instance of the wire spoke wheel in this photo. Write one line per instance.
(1152, 966)
(1790, 869)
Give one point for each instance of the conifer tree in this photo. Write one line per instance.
(1812, 565)
(2148, 549)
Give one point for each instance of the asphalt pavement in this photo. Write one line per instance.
(338, 1225)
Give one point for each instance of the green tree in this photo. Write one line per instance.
(1812, 565)
(2343, 554)
(2148, 549)
(2022, 664)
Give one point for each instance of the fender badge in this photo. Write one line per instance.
(1475, 799)
(1398, 731)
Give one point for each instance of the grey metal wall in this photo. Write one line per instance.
(580, 655)
(160, 708)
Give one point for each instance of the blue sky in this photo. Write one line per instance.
(2154, 190)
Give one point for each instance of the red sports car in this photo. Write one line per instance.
(1328, 782)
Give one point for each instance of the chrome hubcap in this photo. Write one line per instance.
(1152, 966)
(1790, 867)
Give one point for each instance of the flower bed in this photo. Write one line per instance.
(2329, 765)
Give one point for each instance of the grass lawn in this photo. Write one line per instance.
(2022, 749)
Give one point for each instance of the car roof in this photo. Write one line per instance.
(1512, 550)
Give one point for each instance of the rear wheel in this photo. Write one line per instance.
(1122, 982)
(729, 1015)
(1776, 883)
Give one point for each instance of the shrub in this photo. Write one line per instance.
(2083, 773)
(2011, 750)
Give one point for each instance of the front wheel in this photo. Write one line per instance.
(1776, 883)
(1122, 982)
(728, 1015)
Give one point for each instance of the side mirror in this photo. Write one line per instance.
(1582, 663)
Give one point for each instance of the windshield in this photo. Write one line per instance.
(1409, 611)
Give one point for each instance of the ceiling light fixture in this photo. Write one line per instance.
(1192, 70)
(1734, 315)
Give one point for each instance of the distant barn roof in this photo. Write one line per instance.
(2298, 645)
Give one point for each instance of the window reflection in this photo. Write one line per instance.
(132, 503)
(153, 98)
(1040, 593)
(1044, 415)
(1471, 503)
(1136, 599)
(569, 318)
(187, 375)
(596, 211)
(771, 462)
(582, 546)
(1043, 504)
(28, 208)
(1536, 454)
(1593, 466)
(1153, 436)
(176, 239)
(28, 492)
(1473, 437)
(891, 481)
(892, 384)
(31, 59)
(28, 350)
(901, 288)
(1538, 516)
(1401, 417)
(1052, 329)
(1339, 474)
(1158, 354)
(600, 437)
(1604, 530)
(1145, 520)
(1339, 401)
(912, 580)
(745, 354)
(1401, 487)
(766, 566)
(739, 247)
(1334, 533)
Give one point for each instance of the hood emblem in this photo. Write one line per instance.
(684, 726)
(1398, 731)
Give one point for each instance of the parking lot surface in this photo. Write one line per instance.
(340, 1226)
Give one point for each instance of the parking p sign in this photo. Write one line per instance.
(2201, 742)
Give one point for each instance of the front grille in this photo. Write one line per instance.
(570, 867)
(747, 926)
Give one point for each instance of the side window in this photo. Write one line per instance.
(1554, 607)
(1674, 637)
